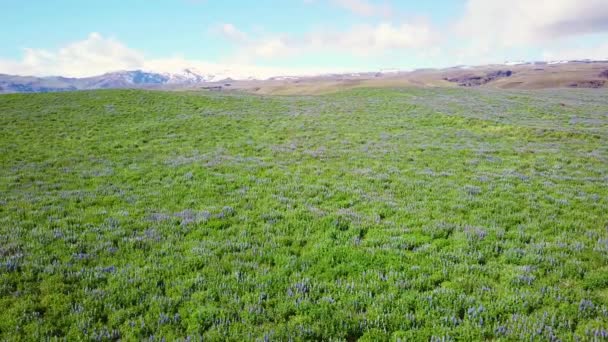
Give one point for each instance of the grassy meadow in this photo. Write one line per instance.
(369, 214)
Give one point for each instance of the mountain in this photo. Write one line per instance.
(124, 79)
(28, 84)
(188, 76)
(119, 79)
(510, 75)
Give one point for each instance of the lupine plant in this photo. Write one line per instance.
(393, 214)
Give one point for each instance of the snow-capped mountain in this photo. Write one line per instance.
(195, 76)
(121, 79)
(516, 63)
(188, 77)
(192, 78)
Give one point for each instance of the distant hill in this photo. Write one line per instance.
(529, 75)
(119, 79)
(510, 75)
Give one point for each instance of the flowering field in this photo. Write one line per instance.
(395, 214)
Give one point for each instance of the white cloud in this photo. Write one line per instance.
(91, 56)
(230, 32)
(596, 52)
(96, 55)
(487, 31)
(361, 40)
(233, 70)
(364, 7)
(273, 47)
(370, 40)
(386, 36)
(499, 23)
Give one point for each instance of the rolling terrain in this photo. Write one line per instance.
(394, 213)
(112, 80)
(537, 75)
(526, 76)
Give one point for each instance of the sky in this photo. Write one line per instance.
(265, 38)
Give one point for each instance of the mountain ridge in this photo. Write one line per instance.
(117, 79)
(543, 74)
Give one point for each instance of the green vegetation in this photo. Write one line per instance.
(395, 214)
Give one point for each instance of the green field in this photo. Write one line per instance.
(387, 214)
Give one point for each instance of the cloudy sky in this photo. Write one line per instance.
(271, 37)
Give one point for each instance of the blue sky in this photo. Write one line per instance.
(265, 37)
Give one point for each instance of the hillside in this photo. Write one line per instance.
(370, 214)
(538, 75)
(528, 76)
(111, 80)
